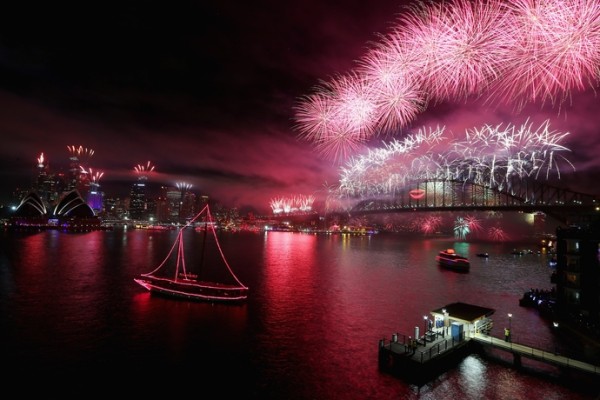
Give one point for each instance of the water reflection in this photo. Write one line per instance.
(318, 307)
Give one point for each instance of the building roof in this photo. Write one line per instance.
(464, 311)
(71, 204)
(31, 206)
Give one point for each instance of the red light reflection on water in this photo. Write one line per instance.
(289, 261)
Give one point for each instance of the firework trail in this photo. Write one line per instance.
(515, 52)
(80, 152)
(93, 176)
(492, 156)
(298, 203)
(144, 168)
(183, 186)
(80, 156)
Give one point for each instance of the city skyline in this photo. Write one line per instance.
(207, 93)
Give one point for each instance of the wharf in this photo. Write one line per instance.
(454, 336)
(419, 360)
(444, 343)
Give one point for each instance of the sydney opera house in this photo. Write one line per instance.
(70, 212)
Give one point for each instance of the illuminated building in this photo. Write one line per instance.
(138, 207)
(578, 273)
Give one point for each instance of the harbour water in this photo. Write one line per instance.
(73, 321)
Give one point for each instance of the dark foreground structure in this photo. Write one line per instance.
(453, 333)
(443, 344)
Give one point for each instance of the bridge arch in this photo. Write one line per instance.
(452, 195)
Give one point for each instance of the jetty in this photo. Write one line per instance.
(450, 334)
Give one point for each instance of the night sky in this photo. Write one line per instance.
(205, 91)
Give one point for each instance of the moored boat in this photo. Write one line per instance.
(450, 260)
(185, 284)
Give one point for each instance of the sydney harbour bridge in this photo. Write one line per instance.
(449, 195)
(444, 195)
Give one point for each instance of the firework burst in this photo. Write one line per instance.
(491, 156)
(554, 49)
(515, 52)
(183, 186)
(80, 151)
(461, 228)
(143, 169)
(91, 175)
(497, 234)
(458, 48)
(287, 205)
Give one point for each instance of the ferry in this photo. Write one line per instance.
(450, 260)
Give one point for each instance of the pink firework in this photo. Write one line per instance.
(517, 51)
(459, 47)
(498, 234)
(355, 105)
(80, 155)
(398, 98)
(93, 176)
(143, 169)
(315, 116)
(474, 224)
(555, 48)
(430, 224)
(320, 120)
(339, 144)
(80, 151)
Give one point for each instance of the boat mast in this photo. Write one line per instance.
(203, 244)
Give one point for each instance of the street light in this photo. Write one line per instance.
(509, 327)
(445, 325)
(425, 320)
(509, 318)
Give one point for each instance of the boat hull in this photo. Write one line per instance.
(459, 267)
(452, 261)
(193, 290)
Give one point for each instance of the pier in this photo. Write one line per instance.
(459, 330)
(520, 350)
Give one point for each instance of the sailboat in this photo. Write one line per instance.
(185, 284)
